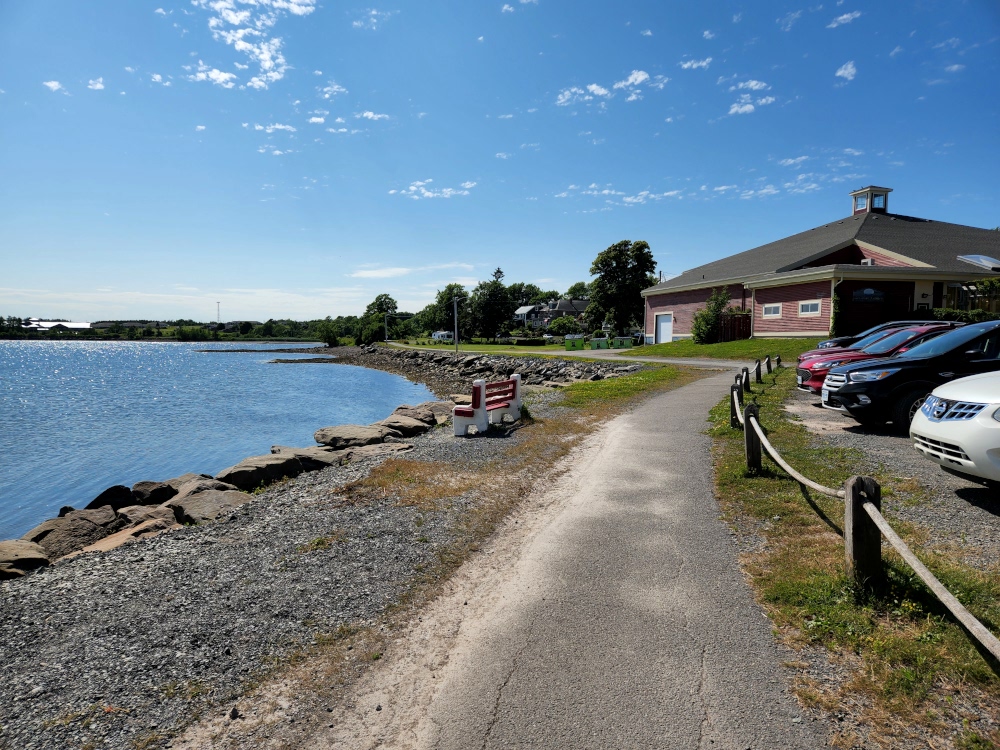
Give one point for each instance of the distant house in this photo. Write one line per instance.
(879, 266)
(539, 316)
(106, 324)
(234, 324)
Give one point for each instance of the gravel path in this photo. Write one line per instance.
(958, 515)
(121, 649)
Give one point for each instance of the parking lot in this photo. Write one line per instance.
(960, 518)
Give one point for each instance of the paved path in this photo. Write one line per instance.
(626, 622)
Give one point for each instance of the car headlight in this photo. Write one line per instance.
(826, 365)
(866, 376)
(996, 415)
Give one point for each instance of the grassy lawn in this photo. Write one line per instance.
(750, 349)
(913, 666)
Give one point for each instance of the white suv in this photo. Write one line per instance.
(958, 427)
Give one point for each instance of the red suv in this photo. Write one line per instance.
(856, 346)
(811, 373)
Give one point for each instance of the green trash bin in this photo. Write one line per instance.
(599, 344)
(574, 342)
(621, 342)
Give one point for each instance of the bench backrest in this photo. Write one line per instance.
(502, 389)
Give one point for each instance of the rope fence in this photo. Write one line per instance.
(864, 524)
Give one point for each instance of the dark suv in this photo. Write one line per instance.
(893, 389)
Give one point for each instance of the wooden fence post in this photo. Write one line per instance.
(777, 360)
(735, 396)
(746, 380)
(739, 382)
(862, 538)
(751, 441)
(767, 363)
(756, 372)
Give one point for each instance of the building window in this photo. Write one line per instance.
(860, 202)
(878, 200)
(772, 311)
(809, 307)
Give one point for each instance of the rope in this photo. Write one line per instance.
(784, 465)
(976, 628)
(739, 410)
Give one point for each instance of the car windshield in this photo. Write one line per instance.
(886, 345)
(942, 344)
(868, 340)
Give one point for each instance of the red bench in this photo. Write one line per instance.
(490, 401)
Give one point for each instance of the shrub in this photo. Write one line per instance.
(705, 326)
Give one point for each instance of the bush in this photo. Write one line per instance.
(564, 325)
(705, 326)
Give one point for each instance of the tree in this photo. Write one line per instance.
(563, 326)
(492, 307)
(328, 332)
(441, 315)
(381, 305)
(622, 273)
(579, 290)
(524, 294)
(542, 297)
(705, 324)
(245, 327)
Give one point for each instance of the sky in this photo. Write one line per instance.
(296, 158)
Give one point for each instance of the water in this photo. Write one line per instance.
(78, 417)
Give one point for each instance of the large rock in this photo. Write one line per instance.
(406, 426)
(18, 557)
(259, 471)
(75, 530)
(312, 458)
(152, 493)
(461, 399)
(352, 435)
(146, 529)
(117, 497)
(206, 506)
(201, 484)
(370, 451)
(417, 412)
(137, 514)
(441, 409)
(178, 482)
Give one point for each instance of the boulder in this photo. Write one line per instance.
(148, 528)
(441, 409)
(178, 482)
(462, 399)
(117, 497)
(137, 514)
(257, 471)
(313, 458)
(76, 530)
(201, 484)
(416, 412)
(370, 451)
(152, 493)
(18, 557)
(406, 426)
(206, 506)
(352, 435)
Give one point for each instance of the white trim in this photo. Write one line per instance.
(818, 333)
(819, 308)
(765, 315)
(913, 262)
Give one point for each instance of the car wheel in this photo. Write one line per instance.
(906, 408)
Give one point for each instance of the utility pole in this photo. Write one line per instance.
(218, 313)
(454, 302)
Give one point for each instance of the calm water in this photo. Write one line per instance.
(76, 418)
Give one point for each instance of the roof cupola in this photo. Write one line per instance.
(870, 199)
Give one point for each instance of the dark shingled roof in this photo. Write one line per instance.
(936, 243)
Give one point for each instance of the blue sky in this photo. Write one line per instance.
(294, 158)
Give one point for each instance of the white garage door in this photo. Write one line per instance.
(664, 328)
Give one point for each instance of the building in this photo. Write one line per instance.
(539, 316)
(879, 266)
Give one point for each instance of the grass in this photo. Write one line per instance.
(321, 543)
(917, 666)
(748, 349)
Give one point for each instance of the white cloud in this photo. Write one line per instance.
(199, 127)
(737, 18)
(507, 9)
(468, 185)
(743, 107)
(129, 69)
(793, 162)
(895, 51)
(847, 71)
(853, 152)
(596, 90)
(372, 19)
(955, 68)
(502, 155)
(658, 82)
(479, 39)
(505, 117)
(841, 20)
(240, 66)
(571, 95)
(53, 85)
(765, 101)
(369, 115)
(317, 120)
(96, 84)
(248, 30)
(336, 130)
(160, 11)
(786, 22)
(708, 34)
(526, 2)
(273, 127)
(724, 188)
(366, 272)
(750, 85)
(646, 32)
(213, 75)
(645, 196)
(331, 90)
(691, 64)
(420, 190)
(948, 43)
(635, 78)
(763, 192)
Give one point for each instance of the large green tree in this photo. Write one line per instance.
(579, 290)
(440, 314)
(524, 294)
(492, 307)
(622, 273)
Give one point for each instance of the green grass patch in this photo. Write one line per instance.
(616, 390)
(748, 349)
(912, 651)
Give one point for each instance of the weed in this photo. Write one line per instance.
(324, 542)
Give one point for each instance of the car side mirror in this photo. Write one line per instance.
(973, 353)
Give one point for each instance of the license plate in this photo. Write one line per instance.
(798, 379)
(826, 395)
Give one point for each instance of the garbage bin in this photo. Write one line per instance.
(574, 342)
(599, 343)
